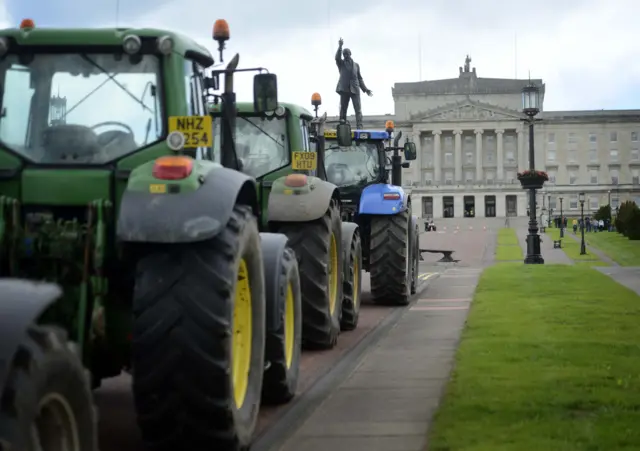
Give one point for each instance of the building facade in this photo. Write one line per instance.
(472, 141)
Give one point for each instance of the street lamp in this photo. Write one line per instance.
(561, 220)
(531, 107)
(583, 248)
(550, 209)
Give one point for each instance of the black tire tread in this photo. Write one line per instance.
(46, 362)
(351, 310)
(388, 259)
(182, 327)
(280, 383)
(310, 241)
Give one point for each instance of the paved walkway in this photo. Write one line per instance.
(602, 256)
(629, 276)
(551, 256)
(388, 401)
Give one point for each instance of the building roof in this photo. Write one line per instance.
(467, 83)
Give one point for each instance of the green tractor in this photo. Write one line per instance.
(283, 150)
(110, 187)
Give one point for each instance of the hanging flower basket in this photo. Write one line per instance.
(532, 179)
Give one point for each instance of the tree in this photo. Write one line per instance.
(603, 213)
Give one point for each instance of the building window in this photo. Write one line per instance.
(634, 137)
(407, 182)
(573, 155)
(614, 202)
(635, 176)
(593, 138)
(593, 176)
(594, 204)
(490, 157)
(593, 155)
(448, 142)
(510, 157)
(448, 158)
(490, 177)
(552, 203)
(573, 203)
(613, 155)
(468, 176)
(614, 176)
(571, 138)
(469, 156)
(551, 155)
(428, 178)
(552, 138)
(635, 154)
(573, 177)
(511, 176)
(448, 178)
(552, 176)
(613, 137)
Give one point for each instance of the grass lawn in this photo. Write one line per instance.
(571, 247)
(549, 360)
(617, 247)
(508, 248)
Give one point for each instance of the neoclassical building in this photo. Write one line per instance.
(472, 142)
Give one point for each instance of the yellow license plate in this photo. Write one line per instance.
(157, 188)
(197, 130)
(304, 161)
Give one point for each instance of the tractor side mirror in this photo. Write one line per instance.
(410, 152)
(343, 134)
(265, 92)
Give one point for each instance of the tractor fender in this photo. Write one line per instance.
(273, 246)
(349, 230)
(301, 203)
(185, 217)
(21, 303)
(372, 201)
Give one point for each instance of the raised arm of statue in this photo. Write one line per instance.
(339, 54)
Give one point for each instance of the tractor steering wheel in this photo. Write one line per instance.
(118, 124)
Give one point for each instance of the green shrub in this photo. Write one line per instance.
(632, 225)
(603, 213)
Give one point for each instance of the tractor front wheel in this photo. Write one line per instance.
(47, 402)
(199, 340)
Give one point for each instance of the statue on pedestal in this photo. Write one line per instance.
(349, 84)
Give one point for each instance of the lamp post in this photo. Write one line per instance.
(550, 209)
(583, 248)
(531, 107)
(561, 220)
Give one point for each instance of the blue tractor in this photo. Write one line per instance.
(366, 165)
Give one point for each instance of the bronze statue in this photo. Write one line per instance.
(467, 64)
(349, 84)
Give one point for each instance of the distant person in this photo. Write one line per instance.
(574, 223)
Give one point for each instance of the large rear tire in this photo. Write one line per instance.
(283, 346)
(415, 258)
(47, 401)
(199, 340)
(318, 248)
(389, 260)
(352, 285)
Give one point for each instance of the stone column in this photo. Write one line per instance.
(522, 157)
(437, 153)
(457, 156)
(479, 159)
(500, 157)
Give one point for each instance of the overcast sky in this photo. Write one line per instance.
(585, 50)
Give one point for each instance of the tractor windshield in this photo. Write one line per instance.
(79, 108)
(357, 164)
(261, 143)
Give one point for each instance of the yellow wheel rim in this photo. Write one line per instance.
(289, 326)
(333, 273)
(356, 282)
(241, 339)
